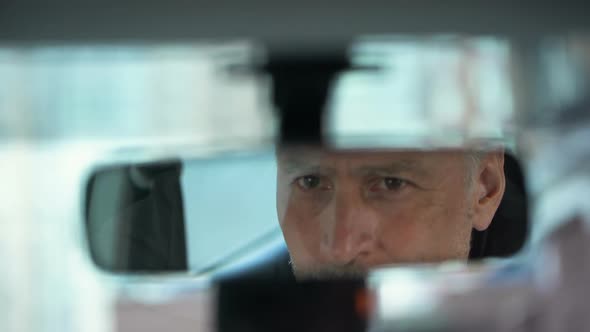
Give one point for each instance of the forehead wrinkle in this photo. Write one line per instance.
(325, 164)
(292, 165)
(398, 166)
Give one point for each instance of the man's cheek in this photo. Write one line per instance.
(405, 233)
(399, 238)
(302, 234)
(282, 202)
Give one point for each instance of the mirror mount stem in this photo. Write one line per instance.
(300, 92)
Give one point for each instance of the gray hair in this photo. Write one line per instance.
(472, 159)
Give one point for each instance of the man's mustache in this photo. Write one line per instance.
(330, 272)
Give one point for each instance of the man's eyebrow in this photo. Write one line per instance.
(292, 165)
(392, 167)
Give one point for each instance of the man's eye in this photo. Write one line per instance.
(308, 182)
(394, 183)
(390, 184)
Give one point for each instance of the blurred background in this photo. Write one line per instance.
(66, 108)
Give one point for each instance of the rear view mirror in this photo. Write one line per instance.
(206, 215)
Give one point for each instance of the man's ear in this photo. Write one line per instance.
(490, 184)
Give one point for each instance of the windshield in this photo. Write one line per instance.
(209, 109)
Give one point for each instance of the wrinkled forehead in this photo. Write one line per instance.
(316, 157)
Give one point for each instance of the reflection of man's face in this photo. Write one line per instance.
(342, 213)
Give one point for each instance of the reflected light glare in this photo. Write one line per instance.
(402, 294)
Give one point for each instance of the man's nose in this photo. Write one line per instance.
(348, 229)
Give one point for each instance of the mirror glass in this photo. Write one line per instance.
(312, 211)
